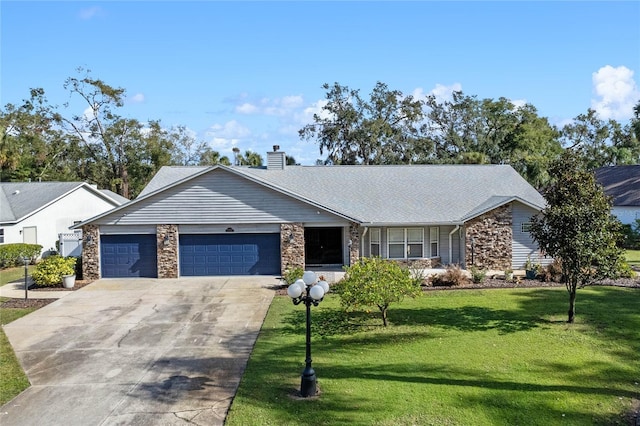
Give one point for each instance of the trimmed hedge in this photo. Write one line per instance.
(11, 254)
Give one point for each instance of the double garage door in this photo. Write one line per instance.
(200, 255)
(229, 254)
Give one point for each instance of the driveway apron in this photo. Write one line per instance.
(138, 352)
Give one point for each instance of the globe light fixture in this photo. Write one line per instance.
(309, 291)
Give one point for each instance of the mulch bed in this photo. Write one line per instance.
(281, 290)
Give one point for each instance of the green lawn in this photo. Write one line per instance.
(633, 257)
(12, 378)
(12, 274)
(472, 357)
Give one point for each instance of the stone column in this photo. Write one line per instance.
(291, 246)
(167, 248)
(354, 247)
(90, 252)
(492, 236)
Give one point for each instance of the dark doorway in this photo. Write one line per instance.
(323, 246)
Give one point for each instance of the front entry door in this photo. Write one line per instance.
(323, 246)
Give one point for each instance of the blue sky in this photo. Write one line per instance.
(249, 74)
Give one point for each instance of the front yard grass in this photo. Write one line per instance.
(471, 357)
(633, 257)
(12, 378)
(12, 274)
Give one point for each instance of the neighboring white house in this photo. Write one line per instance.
(37, 212)
(622, 184)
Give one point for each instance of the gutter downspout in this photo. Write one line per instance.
(450, 241)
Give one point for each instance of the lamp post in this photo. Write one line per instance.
(25, 259)
(309, 291)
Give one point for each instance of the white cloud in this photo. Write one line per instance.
(90, 12)
(246, 108)
(137, 98)
(272, 107)
(615, 91)
(223, 137)
(518, 103)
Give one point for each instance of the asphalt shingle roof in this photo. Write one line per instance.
(389, 194)
(20, 199)
(622, 183)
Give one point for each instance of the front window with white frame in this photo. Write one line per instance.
(434, 238)
(405, 243)
(374, 242)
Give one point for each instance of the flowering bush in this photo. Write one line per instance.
(49, 272)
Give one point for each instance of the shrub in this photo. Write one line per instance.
(373, 281)
(624, 271)
(12, 254)
(49, 272)
(552, 272)
(478, 275)
(291, 275)
(453, 276)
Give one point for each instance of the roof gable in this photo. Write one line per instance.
(19, 200)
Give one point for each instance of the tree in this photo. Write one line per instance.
(210, 157)
(577, 227)
(352, 130)
(249, 158)
(31, 147)
(110, 141)
(373, 281)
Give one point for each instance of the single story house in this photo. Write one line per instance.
(219, 220)
(622, 184)
(38, 212)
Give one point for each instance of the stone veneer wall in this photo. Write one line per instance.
(419, 263)
(492, 239)
(354, 247)
(291, 252)
(91, 252)
(167, 254)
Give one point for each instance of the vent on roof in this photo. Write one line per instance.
(16, 192)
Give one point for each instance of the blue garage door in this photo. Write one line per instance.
(123, 256)
(230, 254)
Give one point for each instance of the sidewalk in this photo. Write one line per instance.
(15, 290)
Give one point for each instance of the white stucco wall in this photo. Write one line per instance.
(55, 219)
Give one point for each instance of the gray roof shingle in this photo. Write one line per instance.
(622, 183)
(389, 194)
(20, 199)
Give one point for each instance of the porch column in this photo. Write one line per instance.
(354, 239)
(167, 249)
(291, 246)
(90, 252)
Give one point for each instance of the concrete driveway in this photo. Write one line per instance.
(138, 352)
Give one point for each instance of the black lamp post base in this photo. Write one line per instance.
(308, 383)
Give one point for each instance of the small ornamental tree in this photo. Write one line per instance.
(373, 281)
(577, 227)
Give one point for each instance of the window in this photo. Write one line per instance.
(415, 240)
(374, 242)
(434, 238)
(526, 227)
(395, 239)
(1, 235)
(405, 243)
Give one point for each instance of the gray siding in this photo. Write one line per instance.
(523, 243)
(219, 197)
